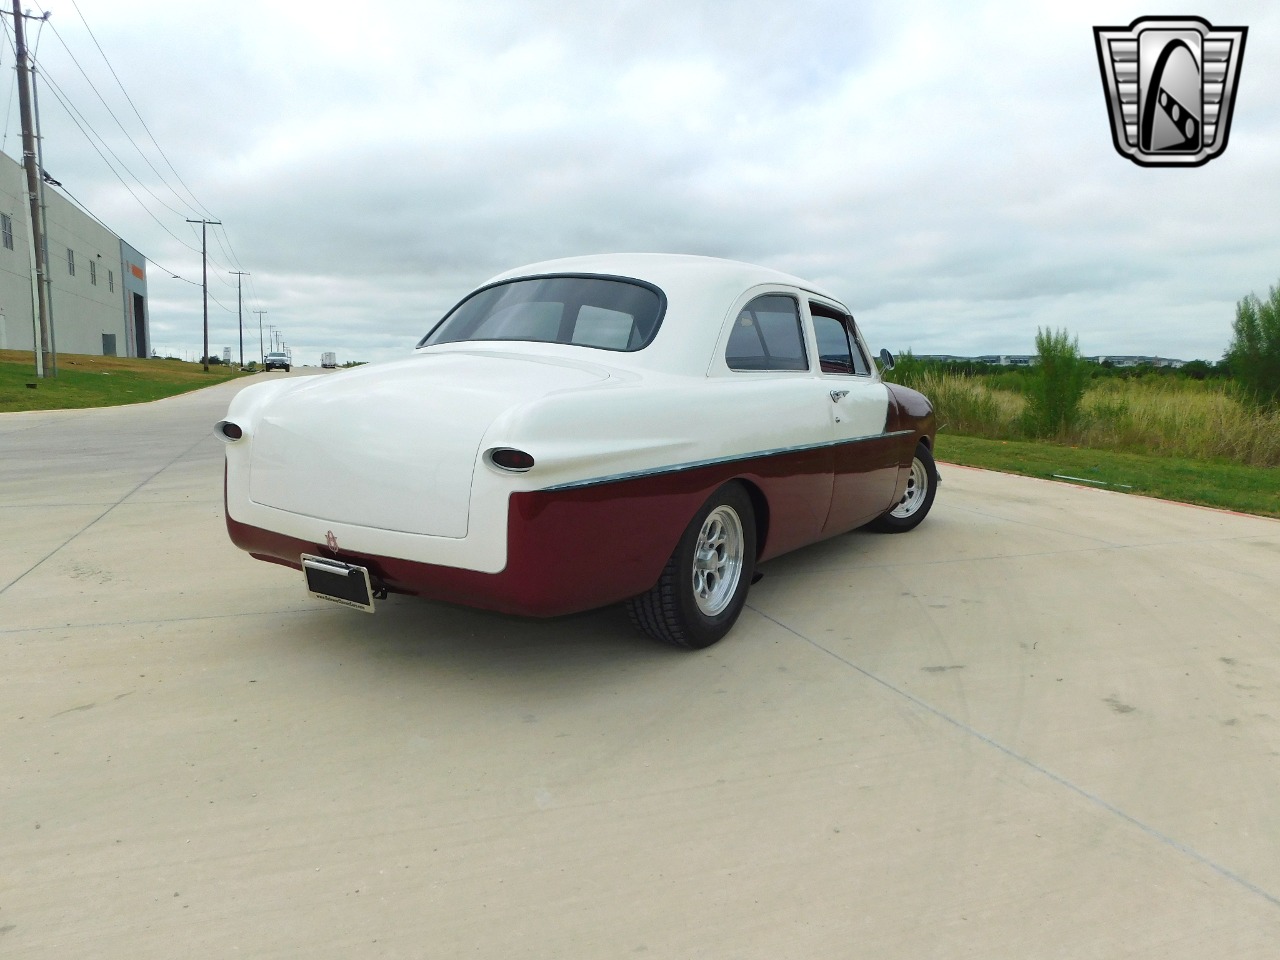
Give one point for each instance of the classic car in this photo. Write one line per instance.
(638, 428)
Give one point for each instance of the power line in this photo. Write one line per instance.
(173, 275)
(12, 89)
(103, 141)
(71, 112)
(228, 250)
(98, 143)
(230, 254)
(132, 106)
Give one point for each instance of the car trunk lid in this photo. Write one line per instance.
(395, 446)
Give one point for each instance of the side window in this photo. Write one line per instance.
(833, 345)
(766, 336)
(838, 346)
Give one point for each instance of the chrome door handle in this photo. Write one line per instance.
(837, 395)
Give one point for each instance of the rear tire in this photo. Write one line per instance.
(922, 486)
(703, 587)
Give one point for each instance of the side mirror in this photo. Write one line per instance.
(886, 360)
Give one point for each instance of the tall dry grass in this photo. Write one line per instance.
(968, 406)
(1179, 419)
(1175, 418)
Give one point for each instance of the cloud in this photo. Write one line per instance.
(947, 169)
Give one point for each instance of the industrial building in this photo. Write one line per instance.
(98, 290)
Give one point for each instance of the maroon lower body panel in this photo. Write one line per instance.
(580, 547)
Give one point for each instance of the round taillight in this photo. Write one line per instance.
(507, 458)
(228, 431)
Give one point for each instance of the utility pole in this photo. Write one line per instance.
(44, 219)
(204, 263)
(262, 354)
(43, 358)
(240, 274)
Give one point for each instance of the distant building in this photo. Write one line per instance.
(1140, 361)
(99, 282)
(1030, 360)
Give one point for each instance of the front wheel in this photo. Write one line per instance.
(703, 587)
(922, 485)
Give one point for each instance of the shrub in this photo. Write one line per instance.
(1254, 352)
(1057, 386)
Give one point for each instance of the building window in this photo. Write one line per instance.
(6, 230)
(71, 261)
(93, 272)
(111, 281)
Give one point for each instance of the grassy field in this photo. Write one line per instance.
(1169, 417)
(86, 381)
(1210, 483)
(1173, 438)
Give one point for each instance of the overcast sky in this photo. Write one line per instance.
(947, 169)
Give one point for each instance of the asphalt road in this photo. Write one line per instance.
(1045, 724)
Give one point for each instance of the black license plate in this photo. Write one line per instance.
(340, 582)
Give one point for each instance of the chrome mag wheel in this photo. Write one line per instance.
(717, 560)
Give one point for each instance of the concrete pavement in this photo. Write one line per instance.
(1044, 724)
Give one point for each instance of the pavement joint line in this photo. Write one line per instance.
(35, 505)
(1180, 541)
(157, 621)
(142, 483)
(1030, 764)
(1100, 548)
(106, 503)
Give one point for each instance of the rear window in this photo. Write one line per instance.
(606, 313)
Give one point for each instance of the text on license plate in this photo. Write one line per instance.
(340, 582)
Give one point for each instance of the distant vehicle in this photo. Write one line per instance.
(638, 427)
(329, 360)
(276, 361)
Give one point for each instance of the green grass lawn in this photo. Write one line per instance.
(85, 381)
(1211, 483)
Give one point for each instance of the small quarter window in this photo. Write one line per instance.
(766, 336)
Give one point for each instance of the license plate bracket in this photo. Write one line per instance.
(338, 582)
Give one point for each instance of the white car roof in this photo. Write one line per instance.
(700, 291)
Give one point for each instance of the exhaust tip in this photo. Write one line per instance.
(227, 431)
(511, 460)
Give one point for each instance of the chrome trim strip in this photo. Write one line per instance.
(696, 464)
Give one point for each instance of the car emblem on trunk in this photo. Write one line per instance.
(332, 541)
(1170, 84)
